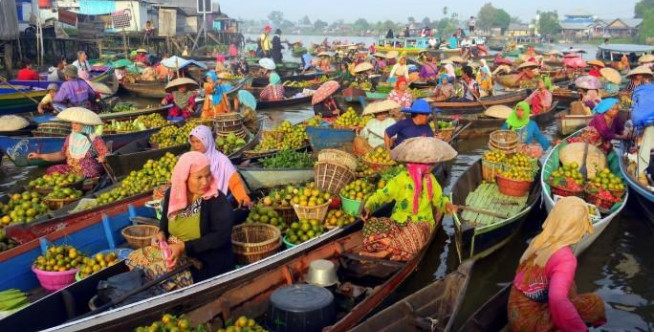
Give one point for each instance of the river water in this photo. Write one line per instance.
(618, 266)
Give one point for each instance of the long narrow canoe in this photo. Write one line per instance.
(492, 315)
(21, 101)
(472, 107)
(257, 177)
(263, 81)
(437, 304)
(480, 240)
(551, 164)
(644, 195)
(98, 74)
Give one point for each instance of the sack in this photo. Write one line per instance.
(642, 114)
(361, 146)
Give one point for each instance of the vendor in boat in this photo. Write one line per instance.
(142, 57)
(323, 100)
(181, 96)
(608, 123)
(47, 103)
(274, 91)
(419, 202)
(381, 61)
(484, 81)
(401, 94)
(215, 98)
(56, 72)
(543, 294)
(595, 67)
(469, 85)
(646, 60)
(611, 80)
(375, 129)
(246, 104)
(27, 72)
(448, 69)
(541, 99)
(415, 126)
(639, 76)
(221, 67)
(528, 131)
(530, 55)
(222, 169)
(429, 70)
(444, 90)
(400, 69)
(324, 64)
(83, 150)
(344, 73)
(527, 72)
(82, 62)
(75, 91)
(196, 224)
(277, 47)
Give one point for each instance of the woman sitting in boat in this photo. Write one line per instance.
(181, 95)
(541, 99)
(429, 71)
(415, 126)
(344, 73)
(400, 69)
(448, 69)
(215, 99)
(444, 90)
(324, 64)
(484, 81)
(375, 129)
(639, 76)
(323, 100)
(469, 85)
(590, 97)
(75, 92)
(528, 131)
(400, 94)
(246, 104)
(530, 55)
(543, 295)
(196, 225)
(47, 103)
(595, 67)
(419, 202)
(83, 150)
(142, 57)
(222, 169)
(27, 73)
(56, 72)
(82, 62)
(608, 123)
(527, 72)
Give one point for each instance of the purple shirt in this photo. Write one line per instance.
(428, 71)
(405, 129)
(608, 133)
(74, 93)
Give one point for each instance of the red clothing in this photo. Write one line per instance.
(142, 57)
(595, 72)
(27, 74)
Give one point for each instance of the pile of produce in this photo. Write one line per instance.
(303, 196)
(64, 193)
(5, 242)
(229, 76)
(419, 93)
(568, 177)
(243, 324)
(607, 181)
(288, 159)
(350, 119)
(389, 174)
(55, 180)
(22, 208)
(365, 85)
(379, 156)
(59, 259)
(293, 137)
(517, 174)
(314, 121)
(364, 170)
(142, 122)
(441, 125)
(494, 156)
(338, 218)
(124, 108)
(170, 323)
(172, 135)
(229, 144)
(11, 300)
(304, 84)
(522, 161)
(96, 263)
(152, 174)
(358, 190)
(266, 215)
(304, 230)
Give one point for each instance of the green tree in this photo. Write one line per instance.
(548, 23)
(276, 17)
(426, 21)
(502, 19)
(320, 25)
(411, 19)
(305, 20)
(642, 7)
(647, 27)
(361, 24)
(489, 17)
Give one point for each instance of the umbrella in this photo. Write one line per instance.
(175, 62)
(588, 82)
(362, 67)
(611, 75)
(325, 90)
(246, 98)
(574, 62)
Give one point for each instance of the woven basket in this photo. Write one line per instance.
(58, 203)
(489, 170)
(565, 192)
(378, 167)
(139, 236)
(504, 140)
(228, 122)
(317, 212)
(334, 155)
(511, 187)
(332, 177)
(254, 242)
(287, 214)
(445, 134)
(50, 129)
(46, 190)
(240, 133)
(604, 205)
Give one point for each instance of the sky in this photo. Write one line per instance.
(400, 10)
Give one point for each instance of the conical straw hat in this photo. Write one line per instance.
(100, 88)
(381, 106)
(527, 64)
(646, 58)
(12, 123)
(423, 150)
(596, 63)
(642, 70)
(611, 75)
(392, 54)
(80, 115)
(498, 112)
(179, 82)
(362, 67)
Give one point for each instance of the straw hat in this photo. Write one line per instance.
(498, 111)
(141, 50)
(458, 59)
(100, 88)
(596, 63)
(423, 150)
(80, 115)
(611, 75)
(324, 54)
(380, 107)
(646, 58)
(353, 48)
(267, 63)
(325, 90)
(180, 82)
(362, 67)
(379, 55)
(640, 70)
(53, 87)
(527, 64)
(12, 123)
(392, 54)
(70, 71)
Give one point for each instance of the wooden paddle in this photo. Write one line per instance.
(2, 79)
(584, 167)
(486, 212)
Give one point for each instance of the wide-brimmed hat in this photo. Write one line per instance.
(596, 63)
(611, 75)
(498, 111)
(267, 63)
(588, 82)
(353, 48)
(325, 90)
(100, 88)
(423, 150)
(527, 64)
(419, 106)
(380, 107)
(80, 115)
(141, 50)
(646, 58)
(379, 55)
(324, 54)
(13, 123)
(640, 70)
(53, 87)
(180, 82)
(392, 54)
(363, 67)
(458, 59)
(267, 28)
(70, 71)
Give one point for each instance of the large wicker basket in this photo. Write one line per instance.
(58, 203)
(287, 214)
(52, 129)
(317, 212)
(334, 155)
(227, 122)
(504, 140)
(254, 242)
(445, 134)
(332, 177)
(139, 236)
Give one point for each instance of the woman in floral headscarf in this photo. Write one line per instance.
(400, 94)
(274, 91)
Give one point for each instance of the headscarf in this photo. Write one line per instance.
(400, 80)
(218, 91)
(274, 79)
(188, 163)
(450, 70)
(514, 121)
(567, 224)
(605, 105)
(220, 58)
(80, 142)
(484, 67)
(221, 167)
(247, 98)
(418, 172)
(441, 77)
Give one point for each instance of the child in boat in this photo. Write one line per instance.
(47, 103)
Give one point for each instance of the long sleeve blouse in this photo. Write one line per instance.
(531, 134)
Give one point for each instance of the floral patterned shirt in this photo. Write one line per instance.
(404, 99)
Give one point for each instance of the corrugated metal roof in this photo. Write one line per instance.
(574, 26)
(9, 20)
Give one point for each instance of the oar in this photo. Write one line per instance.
(2, 79)
(486, 212)
(479, 101)
(584, 168)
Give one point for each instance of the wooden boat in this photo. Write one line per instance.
(479, 240)
(263, 81)
(472, 107)
(432, 308)
(146, 90)
(328, 137)
(263, 105)
(257, 177)
(565, 96)
(492, 315)
(568, 124)
(551, 164)
(643, 195)
(614, 52)
(108, 116)
(511, 80)
(21, 101)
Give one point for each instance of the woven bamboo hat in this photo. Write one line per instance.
(141, 50)
(423, 150)
(458, 59)
(100, 88)
(646, 58)
(80, 115)
(267, 63)
(180, 82)
(611, 75)
(498, 112)
(362, 67)
(324, 54)
(380, 107)
(379, 55)
(640, 70)
(12, 123)
(392, 54)
(596, 63)
(527, 64)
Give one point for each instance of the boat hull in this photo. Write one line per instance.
(16, 102)
(475, 107)
(326, 137)
(259, 178)
(644, 196)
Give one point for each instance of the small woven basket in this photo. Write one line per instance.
(139, 236)
(334, 155)
(489, 170)
(254, 242)
(58, 203)
(445, 134)
(504, 140)
(317, 212)
(287, 214)
(332, 177)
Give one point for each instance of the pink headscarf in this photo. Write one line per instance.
(188, 163)
(221, 167)
(220, 58)
(418, 172)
